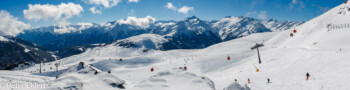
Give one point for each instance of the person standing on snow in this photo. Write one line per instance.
(307, 76)
(248, 81)
(268, 80)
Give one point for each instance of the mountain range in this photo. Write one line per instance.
(190, 33)
(55, 42)
(15, 51)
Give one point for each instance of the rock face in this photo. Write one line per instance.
(15, 51)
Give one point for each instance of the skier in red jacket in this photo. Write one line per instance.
(307, 76)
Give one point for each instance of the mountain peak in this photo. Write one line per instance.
(192, 17)
(228, 17)
(274, 20)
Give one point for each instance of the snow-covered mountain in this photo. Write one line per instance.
(106, 33)
(144, 41)
(275, 25)
(191, 33)
(232, 27)
(15, 51)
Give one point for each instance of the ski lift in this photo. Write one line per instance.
(291, 34)
(109, 72)
(185, 68)
(257, 70)
(295, 31)
(228, 58)
(152, 69)
(345, 2)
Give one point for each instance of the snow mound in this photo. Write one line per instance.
(236, 86)
(83, 76)
(176, 79)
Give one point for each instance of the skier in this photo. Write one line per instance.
(121, 59)
(96, 72)
(235, 80)
(248, 81)
(268, 80)
(152, 69)
(307, 76)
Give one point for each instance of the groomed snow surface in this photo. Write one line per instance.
(316, 48)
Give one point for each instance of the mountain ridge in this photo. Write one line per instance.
(191, 30)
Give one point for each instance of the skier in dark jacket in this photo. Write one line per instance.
(268, 80)
(307, 76)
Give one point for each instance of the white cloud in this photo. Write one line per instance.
(64, 28)
(9, 25)
(170, 6)
(295, 3)
(47, 12)
(95, 11)
(185, 9)
(141, 22)
(262, 15)
(135, 1)
(251, 13)
(105, 3)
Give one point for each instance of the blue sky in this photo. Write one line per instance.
(296, 10)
